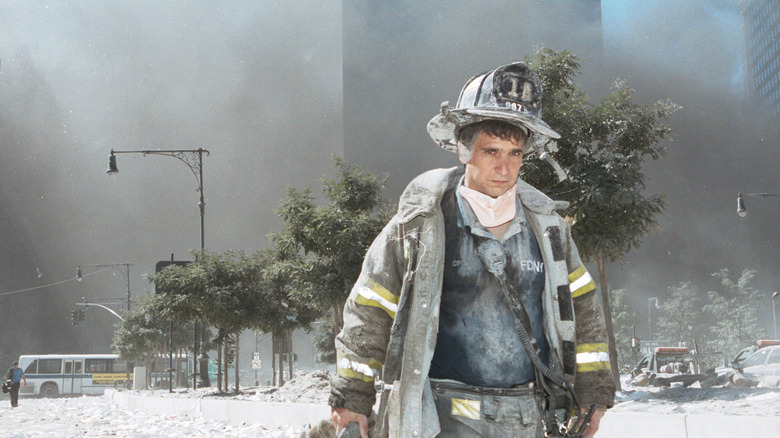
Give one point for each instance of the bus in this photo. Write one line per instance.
(50, 375)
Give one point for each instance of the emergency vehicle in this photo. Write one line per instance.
(667, 365)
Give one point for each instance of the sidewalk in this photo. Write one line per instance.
(228, 411)
(613, 425)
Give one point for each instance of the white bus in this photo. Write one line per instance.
(49, 375)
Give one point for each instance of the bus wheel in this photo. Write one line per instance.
(49, 390)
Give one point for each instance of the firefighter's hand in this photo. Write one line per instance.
(593, 425)
(343, 416)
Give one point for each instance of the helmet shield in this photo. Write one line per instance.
(511, 93)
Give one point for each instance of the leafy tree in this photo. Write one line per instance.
(602, 149)
(735, 312)
(143, 334)
(333, 238)
(273, 277)
(623, 319)
(216, 290)
(682, 318)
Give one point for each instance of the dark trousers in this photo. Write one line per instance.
(15, 393)
(467, 411)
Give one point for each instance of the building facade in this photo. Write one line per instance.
(761, 33)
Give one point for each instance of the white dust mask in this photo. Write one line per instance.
(491, 212)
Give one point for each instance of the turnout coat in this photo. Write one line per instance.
(391, 317)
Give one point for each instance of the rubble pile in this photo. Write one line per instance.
(306, 387)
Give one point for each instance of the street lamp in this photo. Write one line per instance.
(741, 209)
(193, 158)
(114, 266)
(649, 322)
(774, 313)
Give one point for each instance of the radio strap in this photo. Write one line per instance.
(491, 252)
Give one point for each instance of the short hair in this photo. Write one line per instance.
(16, 363)
(493, 128)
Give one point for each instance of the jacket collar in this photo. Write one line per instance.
(423, 195)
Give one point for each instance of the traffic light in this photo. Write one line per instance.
(74, 317)
(81, 314)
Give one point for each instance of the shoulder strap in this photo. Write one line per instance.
(493, 258)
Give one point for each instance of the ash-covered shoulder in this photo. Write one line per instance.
(422, 196)
(536, 201)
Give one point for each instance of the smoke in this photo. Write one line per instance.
(273, 88)
(258, 84)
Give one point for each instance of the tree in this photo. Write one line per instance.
(216, 290)
(273, 277)
(602, 149)
(682, 318)
(144, 334)
(735, 310)
(623, 318)
(333, 238)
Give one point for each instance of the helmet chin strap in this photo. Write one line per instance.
(541, 147)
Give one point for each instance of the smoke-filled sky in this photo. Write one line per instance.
(272, 89)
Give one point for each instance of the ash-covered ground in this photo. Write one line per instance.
(312, 387)
(98, 416)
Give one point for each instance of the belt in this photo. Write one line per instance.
(519, 390)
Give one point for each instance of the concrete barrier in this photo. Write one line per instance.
(225, 410)
(613, 425)
(654, 425)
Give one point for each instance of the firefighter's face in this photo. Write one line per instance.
(493, 164)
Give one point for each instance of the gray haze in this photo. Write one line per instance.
(273, 89)
(258, 84)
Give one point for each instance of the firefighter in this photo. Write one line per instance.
(473, 315)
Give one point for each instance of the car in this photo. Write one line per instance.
(752, 365)
(763, 366)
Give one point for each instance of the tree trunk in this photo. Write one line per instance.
(608, 318)
(220, 364)
(226, 364)
(281, 358)
(290, 353)
(273, 358)
(236, 366)
(338, 317)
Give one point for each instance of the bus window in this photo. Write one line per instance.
(50, 366)
(68, 368)
(32, 368)
(78, 367)
(97, 366)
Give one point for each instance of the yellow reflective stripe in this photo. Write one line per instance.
(373, 294)
(465, 408)
(593, 357)
(593, 348)
(352, 369)
(577, 273)
(592, 367)
(580, 282)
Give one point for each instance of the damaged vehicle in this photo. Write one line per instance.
(758, 365)
(668, 366)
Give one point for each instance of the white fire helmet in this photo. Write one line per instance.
(511, 93)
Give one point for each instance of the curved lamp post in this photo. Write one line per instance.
(115, 266)
(741, 209)
(193, 158)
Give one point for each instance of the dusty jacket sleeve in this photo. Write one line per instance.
(368, 316)
(594, 382)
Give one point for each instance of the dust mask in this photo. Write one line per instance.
(491, 212)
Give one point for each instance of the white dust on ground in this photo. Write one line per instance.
(313, 387)
(98, 416)
(723, 400)
(93, 416)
